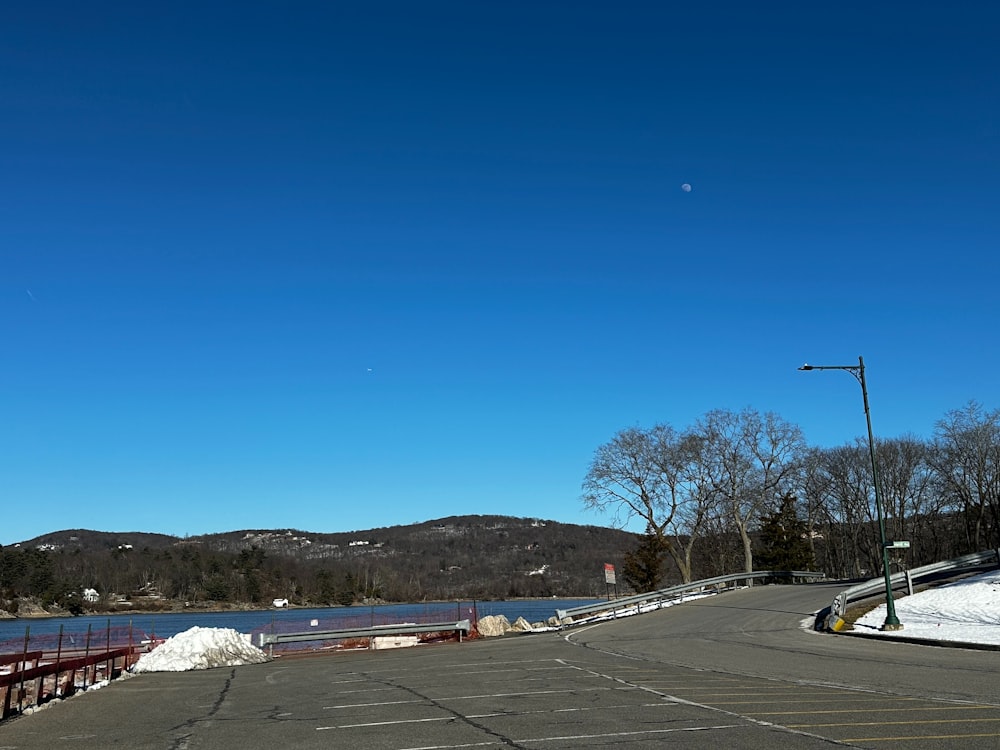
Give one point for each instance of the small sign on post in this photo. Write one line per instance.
(898, 545)
(609, 579)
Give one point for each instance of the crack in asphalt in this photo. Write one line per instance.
(181, 742)
(456, 716)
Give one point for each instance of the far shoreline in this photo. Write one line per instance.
(39, 613)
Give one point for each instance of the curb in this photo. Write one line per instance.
(919, 641)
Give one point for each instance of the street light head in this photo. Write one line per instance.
(806, 367)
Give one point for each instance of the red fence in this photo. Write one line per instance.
(56, 666)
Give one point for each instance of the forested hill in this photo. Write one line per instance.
(471, 556)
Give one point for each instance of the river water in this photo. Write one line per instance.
(166, 624)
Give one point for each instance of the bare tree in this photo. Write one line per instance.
(623, 481)
(911, 505)
(753, 460)
(652, 475)
(818, 519)
(841, 485)
(966, 457)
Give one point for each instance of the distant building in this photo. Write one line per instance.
(91, 595)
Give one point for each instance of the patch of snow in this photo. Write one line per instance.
(201, 648)
(967, 611)
(613, 611)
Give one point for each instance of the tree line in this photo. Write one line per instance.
(465, 557)
(734, 486)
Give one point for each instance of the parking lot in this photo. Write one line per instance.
(735, 671)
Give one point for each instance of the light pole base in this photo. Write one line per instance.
(892, 626)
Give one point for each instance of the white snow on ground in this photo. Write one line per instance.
(967, 611)
(200, 648)
(613, 612)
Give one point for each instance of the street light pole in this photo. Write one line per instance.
(858, 371)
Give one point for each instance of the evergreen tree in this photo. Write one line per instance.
(643, 566)
(348, 593)
(783, 538)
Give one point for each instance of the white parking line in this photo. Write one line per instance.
(369, 705)
(564, 738)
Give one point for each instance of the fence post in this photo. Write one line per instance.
(128, 658)
(55, 689)
(109, 664)
(6, 701)
(86, 659)
(24, 666)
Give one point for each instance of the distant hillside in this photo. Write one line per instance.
(87, 540)
(472, 556)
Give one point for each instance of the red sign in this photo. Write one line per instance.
(609, 573)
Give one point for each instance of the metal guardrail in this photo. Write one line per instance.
(876, 586)
(676, 592)
(460, 626)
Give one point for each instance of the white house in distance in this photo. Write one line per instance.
(91, 595)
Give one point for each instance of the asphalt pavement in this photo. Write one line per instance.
(733, 671)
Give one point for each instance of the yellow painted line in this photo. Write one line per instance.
(688, 685)
(697, 685)
(919, 737)
(817, 700)
(740, 689)
(873, 710)
(890, 723)
(818, 696)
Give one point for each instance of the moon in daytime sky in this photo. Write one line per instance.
(686, 187)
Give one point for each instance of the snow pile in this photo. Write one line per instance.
(965, 611)
(200, 648)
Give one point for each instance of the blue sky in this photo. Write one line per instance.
(335, 266)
